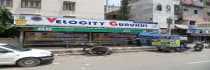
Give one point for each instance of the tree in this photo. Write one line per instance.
(6, 20)
(124, 10)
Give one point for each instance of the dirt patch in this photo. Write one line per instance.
(13, 41)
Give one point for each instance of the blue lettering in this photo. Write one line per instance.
(146, 25)
(72, 22)
(95, 23)
(58, 21)
(83, 22)
(120, 24)
(137, 25)
(102, 23)
(132, 25)
(89, 23)
(143, 25)
(126, 24)
(64, 22)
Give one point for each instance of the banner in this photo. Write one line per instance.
(73, 22)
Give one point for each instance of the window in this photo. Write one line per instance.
(159, 7)
(192, 22)
(208, 13)
(195, 11)
(2, 49)
(69, 6)
(16, 48)
(185, 9)
(168, 8)
(31, 4)
(6, 3)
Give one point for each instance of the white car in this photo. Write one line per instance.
(11, 55)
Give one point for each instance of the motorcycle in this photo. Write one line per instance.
(198, 47)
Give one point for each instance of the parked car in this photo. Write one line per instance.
(24, 57)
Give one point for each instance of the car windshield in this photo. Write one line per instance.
(16, 48)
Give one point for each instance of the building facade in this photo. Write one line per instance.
(93, 9)
(199, 27)
(154, 11)
(112, 12)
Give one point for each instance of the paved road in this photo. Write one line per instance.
(144, 60)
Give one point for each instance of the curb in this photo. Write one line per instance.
(79, 51)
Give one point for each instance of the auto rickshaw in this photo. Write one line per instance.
(168, 43)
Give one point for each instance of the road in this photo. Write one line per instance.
(144, 60)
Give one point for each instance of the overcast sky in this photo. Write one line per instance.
(113, 2)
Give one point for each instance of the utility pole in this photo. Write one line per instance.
(169, 21)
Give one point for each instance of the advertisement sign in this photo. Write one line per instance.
(73, 22)
(203, 25)
(200, 28)
(199, 3)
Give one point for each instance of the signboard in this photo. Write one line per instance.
(199, 3)
(73, 22)
(203, 25)
(86, 30)
(200, 28)
(183, 38)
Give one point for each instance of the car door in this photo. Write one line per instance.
(6, 56)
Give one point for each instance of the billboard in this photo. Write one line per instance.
(21, 20)
(198, 3)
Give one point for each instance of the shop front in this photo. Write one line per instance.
(39, 30)
(200, 32)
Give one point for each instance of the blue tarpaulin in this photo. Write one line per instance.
(153, 34)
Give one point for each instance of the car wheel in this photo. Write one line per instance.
(28, 62)
(99, 51)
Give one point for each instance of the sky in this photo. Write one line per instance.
(113, 2)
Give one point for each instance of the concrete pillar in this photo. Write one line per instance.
(90, 37)
(21, 39)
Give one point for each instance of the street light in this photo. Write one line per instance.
(169, 21)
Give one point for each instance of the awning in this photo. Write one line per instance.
(181, 26)
(153, 34)
(57, 29)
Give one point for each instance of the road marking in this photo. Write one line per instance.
(86, 64)
(197, 62)
(83, 68)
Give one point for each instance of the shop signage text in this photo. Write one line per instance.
(52, 21)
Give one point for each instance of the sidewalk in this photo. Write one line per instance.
(78, 51)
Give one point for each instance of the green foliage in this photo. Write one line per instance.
(6, 20)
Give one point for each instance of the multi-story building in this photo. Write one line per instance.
(193, 11)
(197, 15)
(158, 11)
(111, 11)
(111, 8)
(91, 9)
